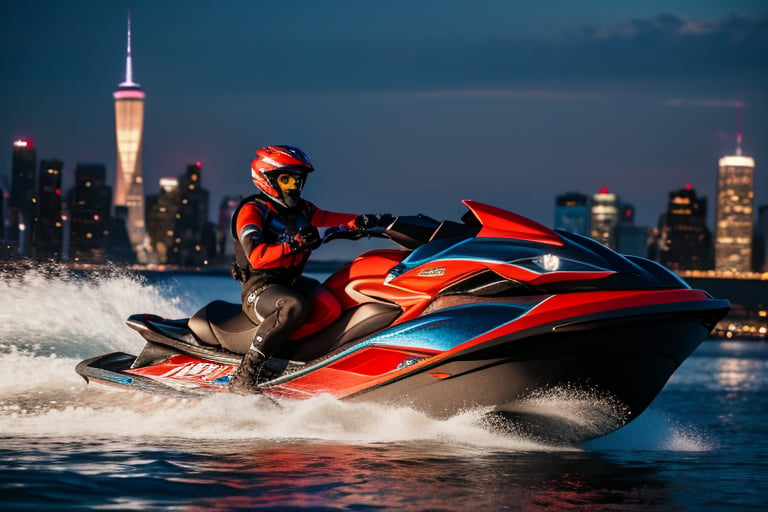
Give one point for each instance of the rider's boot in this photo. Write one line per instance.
(245, 380)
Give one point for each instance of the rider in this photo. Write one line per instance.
(274, 233)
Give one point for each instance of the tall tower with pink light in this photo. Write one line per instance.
(128, 191)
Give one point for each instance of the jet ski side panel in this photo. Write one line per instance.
(114, 370)
(625, 363)
(458, 332)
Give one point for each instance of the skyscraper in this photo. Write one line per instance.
(49, 239)
(162, 213)
(89, 214)
(226, 210)
(3, 215)
(572, 213)
(194, 242)
(605, 217)
(684, 239)
(734, 224)
(760, 241)
(629, 238)
(128, 198)
(23, 198)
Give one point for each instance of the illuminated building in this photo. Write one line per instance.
(605, 218)
(48, 237)
(3, 215)
(629, 238)
(22, 204)
(684, 239)
(734, 223)
(226, 210)
(177, 221)
(89, 214)
(161, 218)
(128, 199)
(572, 213)
(760, 247)
(195, 240)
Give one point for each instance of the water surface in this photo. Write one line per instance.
(65, 445)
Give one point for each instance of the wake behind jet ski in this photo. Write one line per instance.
(483, 313)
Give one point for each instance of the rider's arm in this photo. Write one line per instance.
(259, 254)
(325, 219)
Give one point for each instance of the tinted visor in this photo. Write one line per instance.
(290, 181)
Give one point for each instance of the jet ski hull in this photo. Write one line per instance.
(616, 364)
(605, 377)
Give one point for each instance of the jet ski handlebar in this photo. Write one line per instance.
(342, 233)
(409, 231)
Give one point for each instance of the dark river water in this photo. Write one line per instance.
(65, 445)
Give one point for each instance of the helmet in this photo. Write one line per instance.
(271, 162)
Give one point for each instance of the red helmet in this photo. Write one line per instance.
(271, 161)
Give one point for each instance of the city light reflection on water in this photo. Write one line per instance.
(740, 374)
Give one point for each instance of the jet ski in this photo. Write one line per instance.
(484, 313)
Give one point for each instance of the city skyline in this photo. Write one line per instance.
(437, 126)
(179, 227)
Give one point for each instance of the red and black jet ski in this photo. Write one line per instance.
(479, 313)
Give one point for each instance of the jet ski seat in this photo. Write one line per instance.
(223, 324)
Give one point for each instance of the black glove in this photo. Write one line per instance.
(305, 239)
(385, 219)
(372, 220)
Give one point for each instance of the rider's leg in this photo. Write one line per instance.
(279, 310)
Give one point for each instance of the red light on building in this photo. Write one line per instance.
(604, 190)
(23, 143)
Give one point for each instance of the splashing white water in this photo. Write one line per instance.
(567, 414)
(42, 397)
(51, 320)
(52, 311)
(654, 431)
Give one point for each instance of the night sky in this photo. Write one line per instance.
(403, 106)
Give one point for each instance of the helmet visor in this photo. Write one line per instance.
(288, 181)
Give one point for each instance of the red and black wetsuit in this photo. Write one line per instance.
(269, 268)
(262, 230)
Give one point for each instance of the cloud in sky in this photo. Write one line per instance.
(359, 46)
(501, 93)
(666, 48)
(706, 103)
(659, 48)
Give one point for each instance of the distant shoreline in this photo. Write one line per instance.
(313, 267)
(323, 266)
